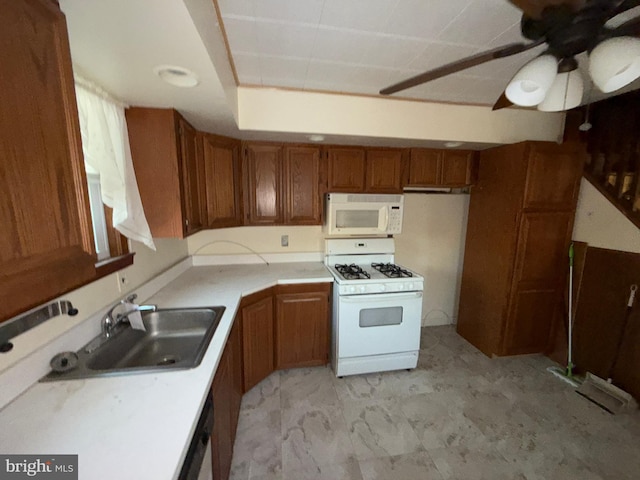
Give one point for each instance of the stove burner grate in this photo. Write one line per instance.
(352, 272)
(391, 270)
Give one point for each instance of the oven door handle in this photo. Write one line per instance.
(380, 297)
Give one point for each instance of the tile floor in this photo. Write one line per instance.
(459, 415)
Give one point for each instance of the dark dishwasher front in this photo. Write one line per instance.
(199, 444)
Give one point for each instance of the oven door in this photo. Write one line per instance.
(378, 324)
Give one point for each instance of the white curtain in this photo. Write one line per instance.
(105, 144)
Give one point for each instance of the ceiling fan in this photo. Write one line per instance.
(551, 81)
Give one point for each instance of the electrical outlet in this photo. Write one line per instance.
(123, 282)
(284, 241)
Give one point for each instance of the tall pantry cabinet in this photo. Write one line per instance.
(515, 265)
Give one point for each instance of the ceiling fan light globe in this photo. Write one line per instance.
(565, 93)
(615, 63)
(532, 82)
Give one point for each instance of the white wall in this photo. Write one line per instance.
(260, 239)
(432, 243)
(600, 224)
(93, 297)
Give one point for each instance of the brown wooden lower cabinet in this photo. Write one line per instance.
(257, 337)
(298, 325)
(302, 325)
(227, 395)
(284, 327)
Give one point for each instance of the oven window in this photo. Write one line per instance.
(378, 317)
(357, 218)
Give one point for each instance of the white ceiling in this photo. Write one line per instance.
(361, 46)
(352, 46)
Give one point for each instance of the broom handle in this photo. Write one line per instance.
(570, 353)
(632, 295)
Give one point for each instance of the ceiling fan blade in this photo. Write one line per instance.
(459, 65)
(623, 6)
(534, 8)
(630, 28)
(502, 102)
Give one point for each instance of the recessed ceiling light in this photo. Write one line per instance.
(316, 138)
(452, 144)
(177, 76)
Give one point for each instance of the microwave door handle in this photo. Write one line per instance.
(385, 226)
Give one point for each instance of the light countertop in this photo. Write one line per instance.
(139, 426)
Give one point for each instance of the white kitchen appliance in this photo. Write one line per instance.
(363, 214)
(377, 307)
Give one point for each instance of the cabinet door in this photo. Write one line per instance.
(193, 199)
(169, 169)
(302, 326)
(263, 179)
(221, 439)
(424, 167)
(257, 341)
(46, 246)
(553, 176)
(384, 171)
(540, 270)
(303, 199)
(346, 170)
(235, 362)
(222, 180)
(457, 168)
(607, 332)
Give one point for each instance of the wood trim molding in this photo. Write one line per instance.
(112, 265)
(118, 243)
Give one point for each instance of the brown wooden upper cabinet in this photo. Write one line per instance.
(346, 170)
(356, 170)
(551, 177)
(169, 170)
(440, 168)
(384, 171)
(223, 184)
(262, 170)
(303, 186)
(283, 184)
(46, 247)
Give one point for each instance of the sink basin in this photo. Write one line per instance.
(175, 338)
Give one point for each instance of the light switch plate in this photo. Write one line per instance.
(284, 241)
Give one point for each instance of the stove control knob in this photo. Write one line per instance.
(401, 286)
(352, 289)
(383, 288)
(409, 286)
(363, 289)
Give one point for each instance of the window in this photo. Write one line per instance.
(100, 231)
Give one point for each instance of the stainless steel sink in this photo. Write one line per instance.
(174, 339)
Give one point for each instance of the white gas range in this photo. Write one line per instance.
(377, 307)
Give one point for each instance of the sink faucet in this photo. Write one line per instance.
(109, 322)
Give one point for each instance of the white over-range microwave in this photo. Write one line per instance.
(363, 214)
